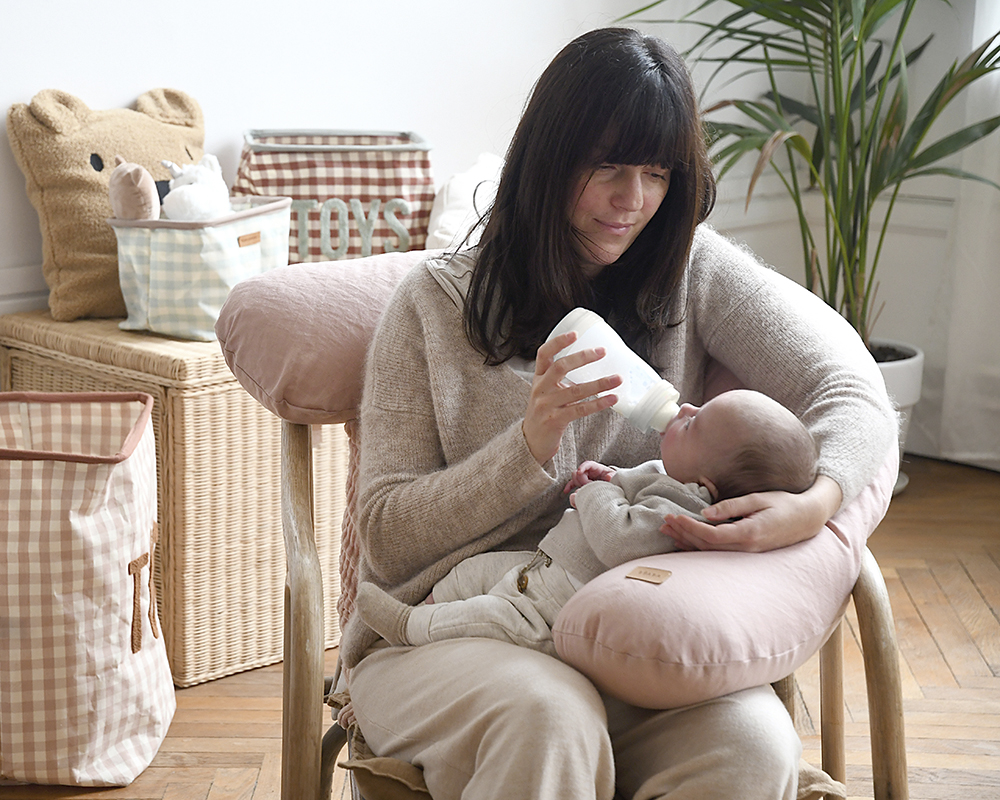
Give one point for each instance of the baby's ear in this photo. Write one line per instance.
(710, 485)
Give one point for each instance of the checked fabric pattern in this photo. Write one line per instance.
(353, 194)
(86, 695)
(175, 276)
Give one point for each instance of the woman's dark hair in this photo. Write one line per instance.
(611, 96)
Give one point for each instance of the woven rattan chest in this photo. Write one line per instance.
(220, 567)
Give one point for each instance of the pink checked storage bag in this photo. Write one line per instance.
(354, 193)
(86, 695)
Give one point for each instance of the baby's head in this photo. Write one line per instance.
(737, 443)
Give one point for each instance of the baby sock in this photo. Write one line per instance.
(384, 614)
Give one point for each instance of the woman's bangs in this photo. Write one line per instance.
(650, 128)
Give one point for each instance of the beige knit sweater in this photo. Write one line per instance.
(445, 472)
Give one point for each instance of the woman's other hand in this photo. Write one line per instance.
(555, 403)
(760, 522)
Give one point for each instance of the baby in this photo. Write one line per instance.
(735, 444)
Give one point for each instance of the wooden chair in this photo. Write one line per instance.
(308, 757)
(308, 761)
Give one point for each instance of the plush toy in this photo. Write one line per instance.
(197, 191)
(66, 152)
(133, 192)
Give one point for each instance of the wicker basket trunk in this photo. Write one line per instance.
(221, 564)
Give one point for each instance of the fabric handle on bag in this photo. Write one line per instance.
(127, 448)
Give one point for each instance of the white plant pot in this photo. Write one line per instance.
(902, 380)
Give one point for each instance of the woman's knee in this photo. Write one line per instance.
(759, 711)
(762, 750)
(742, 744)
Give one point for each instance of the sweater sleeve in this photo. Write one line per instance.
(621, 518)
(780, 339)
(433, 488)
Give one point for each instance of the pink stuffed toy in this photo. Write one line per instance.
(133, 192)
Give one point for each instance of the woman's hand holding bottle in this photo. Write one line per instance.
(555, 403)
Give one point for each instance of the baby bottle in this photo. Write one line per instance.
(644, 398)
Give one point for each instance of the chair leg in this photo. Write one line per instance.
(885, 691)
(333, 742)
(302, 695)
(831, 689)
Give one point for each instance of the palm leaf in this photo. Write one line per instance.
(951, 144)
(887, 143)
(954, 173)
(767, 151)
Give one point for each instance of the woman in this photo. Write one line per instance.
(469, 435)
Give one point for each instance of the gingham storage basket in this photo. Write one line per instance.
(175, 275)
(354, 193)
(85, 690)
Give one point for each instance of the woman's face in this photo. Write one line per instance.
(613, 204)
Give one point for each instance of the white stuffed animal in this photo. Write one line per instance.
(197, 191)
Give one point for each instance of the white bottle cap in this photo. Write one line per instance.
(656, 408)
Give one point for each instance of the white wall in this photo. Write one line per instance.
(457, 73)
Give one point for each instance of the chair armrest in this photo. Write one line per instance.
(296, 337)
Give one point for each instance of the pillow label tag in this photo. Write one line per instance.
(649, 574)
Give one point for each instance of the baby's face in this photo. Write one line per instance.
(697, 441)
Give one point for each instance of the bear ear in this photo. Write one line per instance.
(59, 111)
(170, 106)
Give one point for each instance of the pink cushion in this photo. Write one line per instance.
(296, 337)
(722, 621)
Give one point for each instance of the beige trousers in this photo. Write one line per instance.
(487, 720)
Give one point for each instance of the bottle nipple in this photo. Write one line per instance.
(656, 408)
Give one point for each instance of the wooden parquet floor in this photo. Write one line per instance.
(939, 549)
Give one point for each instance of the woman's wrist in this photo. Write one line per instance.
(826, 493)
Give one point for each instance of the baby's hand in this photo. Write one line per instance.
(587, 472)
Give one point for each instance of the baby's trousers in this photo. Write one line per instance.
(481, 597)
(487, 720)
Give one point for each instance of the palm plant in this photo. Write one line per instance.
(851, 132)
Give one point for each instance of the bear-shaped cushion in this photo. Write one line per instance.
(67, 154)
